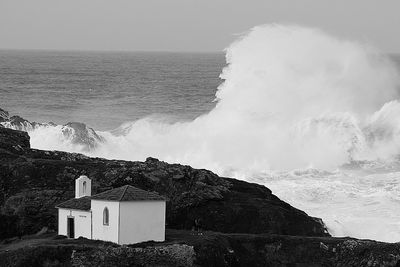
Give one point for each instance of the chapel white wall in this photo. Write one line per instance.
(82, 220)
(141, 221)
(62, 221)
(105, 232)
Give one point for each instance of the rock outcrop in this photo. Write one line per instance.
(75, 132)
(4, 115)
(32, 182)
(192, 248)
(14, 141)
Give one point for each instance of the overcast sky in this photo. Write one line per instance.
(185, 25)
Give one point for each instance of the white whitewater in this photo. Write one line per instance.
(296, 105)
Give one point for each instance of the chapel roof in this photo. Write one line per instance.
(123, 193)
(82, 203)
(127, 193)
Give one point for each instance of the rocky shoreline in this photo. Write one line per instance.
(228, 222)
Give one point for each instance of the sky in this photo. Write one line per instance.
(185, 25)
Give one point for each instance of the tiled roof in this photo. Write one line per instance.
(127, 193)
(82, 203)
(123, 193)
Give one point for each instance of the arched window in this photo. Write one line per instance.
(106, 216)
(84, 187)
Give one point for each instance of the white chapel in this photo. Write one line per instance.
(124, 215)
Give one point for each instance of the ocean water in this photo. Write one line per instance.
(318, 123)
(106, 89)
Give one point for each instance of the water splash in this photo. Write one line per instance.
(281, 106)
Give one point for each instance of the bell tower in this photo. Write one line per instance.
(83, 187)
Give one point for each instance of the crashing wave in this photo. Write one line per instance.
(322, 103)
(76, 135)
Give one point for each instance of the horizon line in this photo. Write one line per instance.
(132, 51)
(110, 51)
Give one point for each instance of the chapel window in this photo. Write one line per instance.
(106, 216)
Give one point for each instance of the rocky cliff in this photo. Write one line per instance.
(32, 182)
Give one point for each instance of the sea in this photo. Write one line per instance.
(320, 127)
(106, 89)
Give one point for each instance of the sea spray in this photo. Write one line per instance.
(296, 105)
(281, 107)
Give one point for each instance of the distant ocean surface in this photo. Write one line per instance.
(106, 89)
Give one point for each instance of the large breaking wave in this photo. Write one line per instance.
(313, 117)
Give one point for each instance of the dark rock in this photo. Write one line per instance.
(13, 141)
(188, 248)
(44, 230)
(4, 116)
(8, 225)
(32, 182)
(20, 122)
(81, 134)
(34, 208)
(167, 255)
